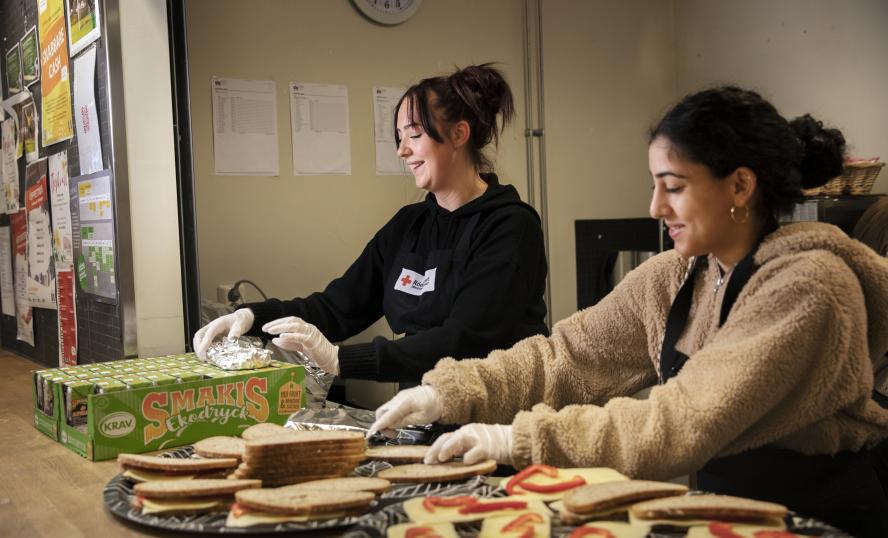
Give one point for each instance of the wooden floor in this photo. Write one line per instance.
(45, 489)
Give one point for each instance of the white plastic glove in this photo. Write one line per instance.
(474, 442)
(236, 324)
(294, 334)
(417, 405)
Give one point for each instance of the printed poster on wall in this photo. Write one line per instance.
(41, 270)
(7, 292)
(83, 23)
(89, 146)
(30, 57)
(67, 319)
(385, 99)
(13, 70)
(92, 231)
(23, 316)
(55, 85)
(28, 129)
(60, 204)
(10, 165)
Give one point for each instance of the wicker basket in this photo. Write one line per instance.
(856, 178)
(859, 178)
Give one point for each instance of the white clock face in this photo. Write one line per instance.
(388, 11)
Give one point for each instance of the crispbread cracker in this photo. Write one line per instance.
(302, 438)
(158, 463)
(442, 472)
(397, 453)
(349, 483)
(220, 447)
(598, 497)
(302, 502)
(719, 507)
(202, 487)
(264, 429)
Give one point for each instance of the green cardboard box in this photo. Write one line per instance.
(158, 408)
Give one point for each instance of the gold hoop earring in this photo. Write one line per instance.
(745, 217)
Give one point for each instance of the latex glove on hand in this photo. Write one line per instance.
(417, 405)
(294, 334)
(475, 443)
(235, 324)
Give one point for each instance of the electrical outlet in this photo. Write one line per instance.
(222, 293)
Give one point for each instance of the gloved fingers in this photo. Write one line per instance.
(212, 329)
(432, 456)
(291, 342)
(281, 325)
(391, 415)
(476, 454)
(242, 322)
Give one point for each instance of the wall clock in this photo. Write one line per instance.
(388, 12)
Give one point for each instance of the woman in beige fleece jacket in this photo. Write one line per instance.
(764, 378)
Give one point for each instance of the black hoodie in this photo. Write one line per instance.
(499, 300)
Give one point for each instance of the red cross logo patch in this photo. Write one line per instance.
(406, 280)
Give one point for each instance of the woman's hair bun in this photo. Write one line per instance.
(823, 151)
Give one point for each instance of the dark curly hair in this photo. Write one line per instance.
(727, 127)
(476, 94)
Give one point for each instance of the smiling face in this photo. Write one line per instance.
(431, 162)
(695, 205)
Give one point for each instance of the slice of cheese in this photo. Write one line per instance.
(159, 506)
(417, 513)
(742, 529)
(770, 524)
(492, 527)
(600, 514)
(140, 475)
(248, 519)
(621, 530)
(444, 530)
(592, 475)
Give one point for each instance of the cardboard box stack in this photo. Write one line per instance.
(140, 405)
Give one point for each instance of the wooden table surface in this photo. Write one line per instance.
(46, 489)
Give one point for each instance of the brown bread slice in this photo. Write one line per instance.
(397, 454)
(157, 463)
(598, 497)
(718, 507)
(203, 487)
(302, 502)
(442, 472)
(264, 429)
(221, 447)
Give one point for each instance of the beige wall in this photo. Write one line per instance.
(608, 71)
(292, 235)
(150, 159)
(819, 56)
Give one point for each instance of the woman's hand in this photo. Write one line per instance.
(294, 334)
(475, 443)
(418, 405)
(235, 324)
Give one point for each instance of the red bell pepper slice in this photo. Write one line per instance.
(721, 529)
(480, 507)
(429, 503)
(527, 472)
(574, 482)
(523, 521)
(579, 532)
(774, 534)
(421, 532)
(237, 510)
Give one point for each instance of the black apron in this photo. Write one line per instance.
(842, 489)
(424, 308)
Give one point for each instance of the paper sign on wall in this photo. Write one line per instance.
(55, 84)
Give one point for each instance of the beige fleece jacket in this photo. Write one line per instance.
(792, 365)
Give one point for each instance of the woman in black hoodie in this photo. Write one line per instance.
(460, 274)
